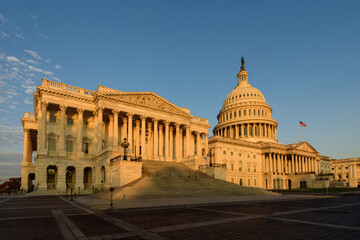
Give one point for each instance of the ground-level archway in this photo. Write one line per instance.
(88, 178)
(51, 177)
(31, 182)
(70, 177)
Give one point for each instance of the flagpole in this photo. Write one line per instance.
(299, 131)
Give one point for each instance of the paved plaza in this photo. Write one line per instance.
(53, 217)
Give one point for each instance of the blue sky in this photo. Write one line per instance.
(302, 55)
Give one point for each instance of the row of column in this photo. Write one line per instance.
(279, 163)
(158, 134)
(248, 130)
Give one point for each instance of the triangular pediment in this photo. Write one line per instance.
(305, 146)
(147, 100)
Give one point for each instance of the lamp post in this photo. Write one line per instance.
(125, 144)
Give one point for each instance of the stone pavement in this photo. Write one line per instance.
(50, 217)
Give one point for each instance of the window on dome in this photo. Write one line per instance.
(240, 134)
(254, 112)
(245, 132)
(244, 113)
(258, 112)
(239, 96)
(230, 115)
(249, 112)
(227, 116)
(239, 113)
(251, 94)
(247, 94)
(250, 131)
(234, 114)
(262, 112)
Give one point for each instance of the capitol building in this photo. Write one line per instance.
(80, 138)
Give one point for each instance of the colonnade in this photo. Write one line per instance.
(248, 130)
(293, 163)
(150, 137)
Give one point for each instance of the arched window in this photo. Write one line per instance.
(240, 166)
(234, 114)
(254, 112)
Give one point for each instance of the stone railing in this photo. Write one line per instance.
(199, 119)
(66, 88)
(29, 115)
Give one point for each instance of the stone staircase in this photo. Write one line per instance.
(173, 180)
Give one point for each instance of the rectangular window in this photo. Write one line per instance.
(254, 182)
(240, 166)
(244, 113)
(249, 168)
(52, 145)
(232, 167)
(249, 182)
(234, 114)
(70, 121)
(52, 118)
(255, 168)
(241, 182)
(69, 146)
(85, 148)
(230, 115)
(232, 180)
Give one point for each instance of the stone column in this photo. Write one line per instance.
(161, 141)
(130, 132)
(143, 130)
(79, 137)
(100, 129)
(206, 144)
(61, 178)
(137, 137)
(79, 179)
(111, 131)
(171, 142)
(177, 141)
(149, 149)
(116, 128)
(166, 140)
(43, 127)
(198, 144)
(62, 123)
(292, 163)
(271, 165)
(125, 128)
(187, 140)
(156, 139)
(96, 129)
(236, 131)
(25, 149)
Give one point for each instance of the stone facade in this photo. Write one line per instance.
(245, 140)
(347, 171)
(77, 132)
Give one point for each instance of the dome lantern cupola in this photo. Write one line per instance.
(243, 74)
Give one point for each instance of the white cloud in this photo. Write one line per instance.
(12, 59)
(39, 70)
(4, 35)
(33, 16)
(32, 61)
(15, 69)
(3, 20)
(33, 54)
(19, 35)
(43, 36)
(58, 66)
(26, 101)
(12, 106)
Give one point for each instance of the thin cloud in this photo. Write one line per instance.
(3, 20)
(4, 35)
(26, 101)
(19, 35)
(58, 66)
(33, 54)
(43, 36)
(32, 61)
(33, 16)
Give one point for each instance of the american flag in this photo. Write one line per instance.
(302, 124)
